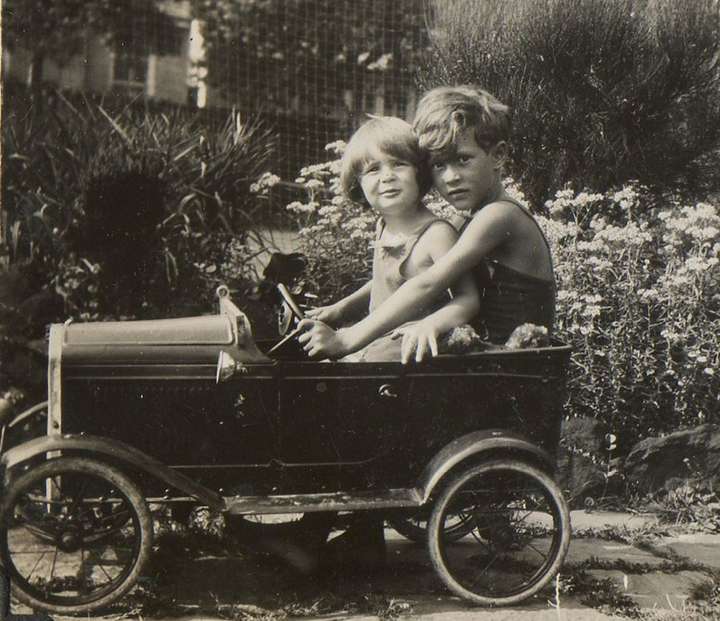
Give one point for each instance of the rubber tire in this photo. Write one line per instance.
(124, 485)
(410, 530)
(446, 497)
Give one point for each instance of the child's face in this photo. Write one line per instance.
(389, 184)
(466, 176)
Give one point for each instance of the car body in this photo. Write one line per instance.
(195, 411)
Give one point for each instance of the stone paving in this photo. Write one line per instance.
(658, 577)
(646, 574)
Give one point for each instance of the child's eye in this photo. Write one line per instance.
(464, 159)
(437, 165)
(370, 169)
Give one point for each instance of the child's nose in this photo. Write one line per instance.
(450, 174)
(388, 172)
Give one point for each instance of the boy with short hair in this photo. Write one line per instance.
(466, 132)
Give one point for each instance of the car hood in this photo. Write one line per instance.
(190, 340)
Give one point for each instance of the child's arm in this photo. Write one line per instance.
(421, 336)
(488, 229)
(353, 305)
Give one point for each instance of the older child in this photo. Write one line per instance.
(466, 132)
(384, 168)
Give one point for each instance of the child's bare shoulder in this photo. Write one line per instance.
(496, 215)
(439, 236)
(440, 231)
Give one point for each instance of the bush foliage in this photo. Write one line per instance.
(603, 91)
(124, 210)
(638, 299)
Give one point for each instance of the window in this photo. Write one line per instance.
(130, 68)
(171, 39)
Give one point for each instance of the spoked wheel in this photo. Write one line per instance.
(74, 535)
(414, 527)
(520, 534)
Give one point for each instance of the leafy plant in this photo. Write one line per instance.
(282, 55)
(119, 201)
(638, 300)
(603, 91)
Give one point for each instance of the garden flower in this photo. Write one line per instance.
(337, 147)
(314, 184)
(266, 181)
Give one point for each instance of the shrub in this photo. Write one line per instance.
(603, 91)
(130, 211)
(335, 234)
(638, 299)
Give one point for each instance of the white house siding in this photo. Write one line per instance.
(171, 76)
(16, 64)
(93, 71)
(98, 76)
(71, 75)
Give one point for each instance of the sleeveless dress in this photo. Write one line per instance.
(509, 298)
(389, 257)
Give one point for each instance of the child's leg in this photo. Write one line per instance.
(383, 349)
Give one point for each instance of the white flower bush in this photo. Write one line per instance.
(639, 299)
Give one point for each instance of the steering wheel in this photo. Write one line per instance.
(289, 310)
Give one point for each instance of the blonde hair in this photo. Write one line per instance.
(390, 135)
(446, 112)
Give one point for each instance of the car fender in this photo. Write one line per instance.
(120, 452)
(16, 419)
(472, 446)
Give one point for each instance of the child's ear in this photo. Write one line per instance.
(501, 154)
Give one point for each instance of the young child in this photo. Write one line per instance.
(384, 168)
(466, 131)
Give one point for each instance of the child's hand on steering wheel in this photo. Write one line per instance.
(320, 341)
(331, 314)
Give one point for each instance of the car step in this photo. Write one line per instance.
(337, 501)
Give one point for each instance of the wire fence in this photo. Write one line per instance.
(310, 70)
(314, 68)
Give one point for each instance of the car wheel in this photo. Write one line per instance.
(520, 534)
(414, 527)
(75, 534)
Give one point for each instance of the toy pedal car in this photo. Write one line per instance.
(195, 412)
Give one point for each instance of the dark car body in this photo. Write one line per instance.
(194, 411)
(287, 426)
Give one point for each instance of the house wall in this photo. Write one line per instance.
(16, 64)
(171, 78)
(93, 71)
(98, 71)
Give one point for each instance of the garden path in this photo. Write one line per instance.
(651, 575)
